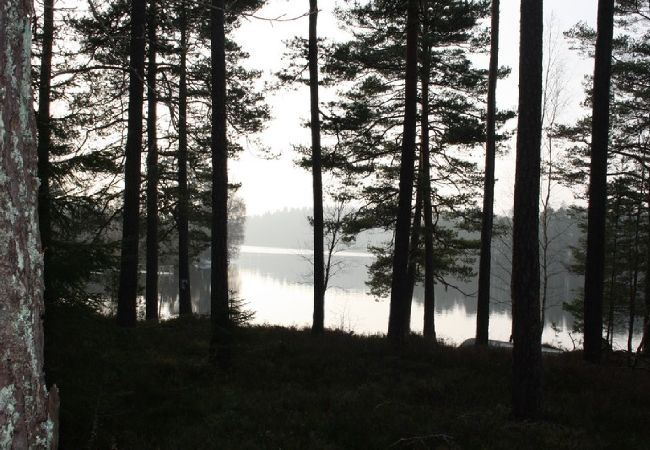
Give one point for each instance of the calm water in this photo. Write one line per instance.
(275, 284)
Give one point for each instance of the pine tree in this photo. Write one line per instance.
(429, 327)
(319, 263)
(100, 88)
(221, 323)
(151, 293)
(527, 351)
(483, 302)
(367, 116)
(595, 261)
(627, 160)
(365, 119)
(128, 287)
(397, 328)
(184, 298)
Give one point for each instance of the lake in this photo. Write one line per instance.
(276, 284)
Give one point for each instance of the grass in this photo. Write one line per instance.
(152, 387)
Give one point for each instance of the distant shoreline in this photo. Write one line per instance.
(268, 250)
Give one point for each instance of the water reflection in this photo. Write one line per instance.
(276, 285)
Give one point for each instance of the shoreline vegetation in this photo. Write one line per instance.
(152, 387)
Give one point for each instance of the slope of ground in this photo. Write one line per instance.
(152, 387)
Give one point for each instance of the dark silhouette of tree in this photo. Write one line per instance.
(429, 326)
(622, 258)
(128, 287)
(76, 242)
(595, 262)
(28, 416)
(184, 298)
(220, 315)
(644, 345)
(614, 274)
(151, 290)
(319, 276)
(627, 162)
(399, 284)
(44, 143)
(92, 84)
(365, 118)
(527, 352)
(364, 121)
(483, 302)
(635, 263)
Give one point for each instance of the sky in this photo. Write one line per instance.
(270, 185)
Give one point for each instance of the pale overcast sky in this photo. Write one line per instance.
(269, 185)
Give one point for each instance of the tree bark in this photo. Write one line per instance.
(184, 298)
(399, 282)
(44, 142)
(527, 353)
(429, 327)
(483, 303)
(596, 212)
(220, 311)
(151, 290)
(28, 414)
(319, 277)
(128, 288)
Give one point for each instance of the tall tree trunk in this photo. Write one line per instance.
(595, 265)
(635, 267)
(44, 142)
(429, 326)
(414, 246)
(527, 352)
(319, 277)
(128, 289)
(28, 414)
(483, 304)
(399, 283)
(151, 290)
(219, 302)
(184, 298)
(644, 346)
(633, 294)
(612, 281)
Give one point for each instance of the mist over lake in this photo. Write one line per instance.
(272, 274)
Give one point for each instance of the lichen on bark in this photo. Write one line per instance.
(27, 414)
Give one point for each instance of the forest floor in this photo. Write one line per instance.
(152, 387)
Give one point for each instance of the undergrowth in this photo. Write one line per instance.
(153, 387)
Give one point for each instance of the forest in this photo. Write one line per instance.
(122, 321)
